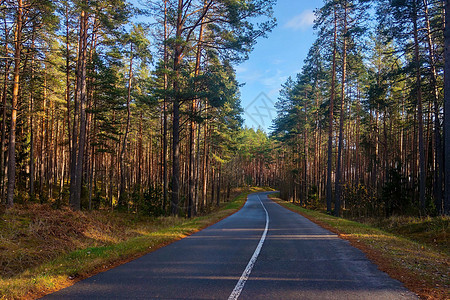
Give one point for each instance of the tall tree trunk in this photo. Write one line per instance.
(205, 159)
(31, 163)
(316, 163)
(51, 154)
(140, 153)
(306, 148)
(61, 182)
(166, 58)
(191, 206)
(67, 93)
(176, 114)
(197, 169)
(437, 124)
(4, 98)
(213, 182)
(357, 133)
(43, 140)
(14, 106)
(422, 174)
(330, 118)
(447, 110)
(219, 179)
(337, 207)
(125, 136)
(77, 164)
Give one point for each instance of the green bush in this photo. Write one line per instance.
(149, 203)
(360, 202)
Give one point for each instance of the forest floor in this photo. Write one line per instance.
(43, 250)
(414, 251)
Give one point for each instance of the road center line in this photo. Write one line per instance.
(244, 277)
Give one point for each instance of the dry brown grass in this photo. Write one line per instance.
(33, 233)
(43, 250)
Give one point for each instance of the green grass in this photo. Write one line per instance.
(432, 231)
(69, 267)
(403, 251)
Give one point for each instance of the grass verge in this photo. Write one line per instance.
(422, 268)
(83, 251)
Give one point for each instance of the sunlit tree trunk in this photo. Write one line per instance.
(14, 105)
(205, 160)
(32, 158)
(176, 114)
(4, 98)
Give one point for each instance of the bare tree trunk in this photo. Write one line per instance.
(91, 177)
(165, 179)
(305, 171)
(43, 140)
(77, 164)
(4, 98)
(337, 207)
(191, 205)
(358, 161)
(140, 153)
(316, 162)
(422, 174)
(125, 136)
(176, 115)
(330, 118)
(67, 94)
(75, 135)
(61, 183)
(447, 110)
(197, 170)
(437, 124)
(213, 182)
(205, 160)
(219, 178)
(14, 106)
(50, 152)
(31, 163)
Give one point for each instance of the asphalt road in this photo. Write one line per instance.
(264, 251)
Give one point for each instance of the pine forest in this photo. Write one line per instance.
(126, 134)
(100, 110)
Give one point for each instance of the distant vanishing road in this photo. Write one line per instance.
(264, 251)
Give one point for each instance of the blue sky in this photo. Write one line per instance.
(276, 58)
(273, 59)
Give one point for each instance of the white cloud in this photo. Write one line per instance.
(250, 76)
(302, 21)
(240, 69)
(278, 61)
